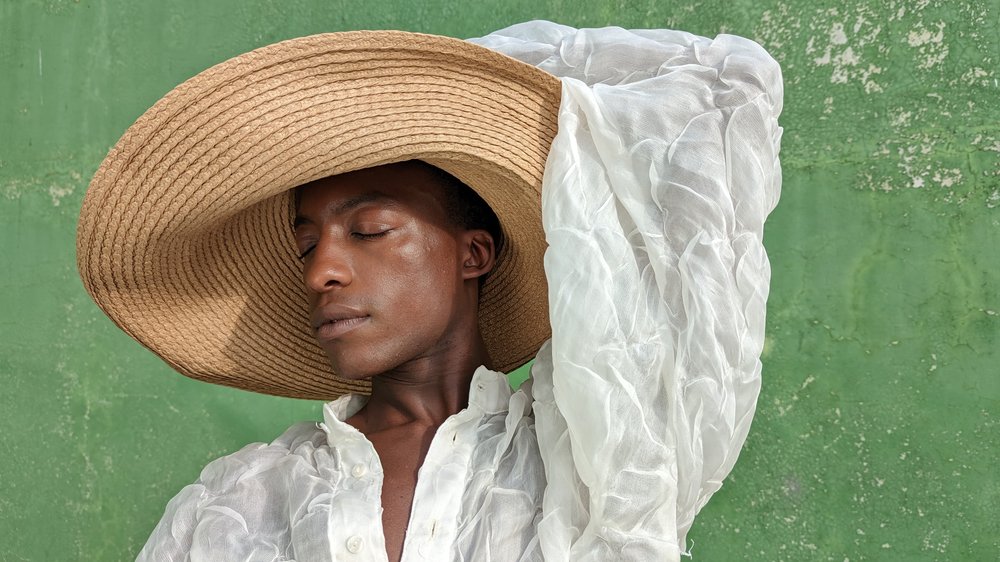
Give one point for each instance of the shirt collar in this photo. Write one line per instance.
(489, 393)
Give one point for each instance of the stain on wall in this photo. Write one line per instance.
(878, 429)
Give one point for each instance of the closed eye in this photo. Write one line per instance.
(357, 235)
(308, 251)
(369, 235)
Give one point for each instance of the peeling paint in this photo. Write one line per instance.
(843, 53)
(930, 44)
(56, 186)
(923, 36)
(57, 193)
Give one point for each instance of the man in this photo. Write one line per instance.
(393, 280)
(655, 192)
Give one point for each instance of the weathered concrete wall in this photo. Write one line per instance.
(878, 430)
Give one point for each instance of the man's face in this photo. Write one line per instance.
(382, 267)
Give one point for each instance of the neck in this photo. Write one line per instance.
(424, 392)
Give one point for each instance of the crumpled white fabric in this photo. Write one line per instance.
(314, 494)
(654, 199)
(655, 193)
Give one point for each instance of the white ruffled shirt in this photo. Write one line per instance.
(655, 193)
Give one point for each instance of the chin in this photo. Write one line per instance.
(364, 358)
(352, 370)
(357, 365)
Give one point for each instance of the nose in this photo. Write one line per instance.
(327, 268)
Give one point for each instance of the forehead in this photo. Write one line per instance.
(407, 185)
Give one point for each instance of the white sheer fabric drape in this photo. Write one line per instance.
(655, 195)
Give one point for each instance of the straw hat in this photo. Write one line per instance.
(184, 237)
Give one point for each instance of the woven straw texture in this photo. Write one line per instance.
(185, 237)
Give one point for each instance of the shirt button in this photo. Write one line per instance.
(359, 470)
(355, 544)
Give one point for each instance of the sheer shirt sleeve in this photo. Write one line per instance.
(655, 193)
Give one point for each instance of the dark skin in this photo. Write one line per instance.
(393, 289)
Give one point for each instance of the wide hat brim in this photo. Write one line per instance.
(184, 237)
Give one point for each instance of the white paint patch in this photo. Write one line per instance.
(988, 143)
(901, 119)
(948, 178)
(936, 540)
(844, 51)
(837, 35)
(870, 85)
(923, 36)
(975, 76)
(11, 189)
(992, 202)
(929, 43)
(57, 193)
(823, 60)
(776, 29)
(842, 64)
(848, 57)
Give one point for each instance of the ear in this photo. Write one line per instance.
(479, 254)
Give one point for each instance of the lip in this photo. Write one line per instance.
(333, 321)
(334, 329)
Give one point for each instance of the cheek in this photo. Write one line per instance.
(426, 276)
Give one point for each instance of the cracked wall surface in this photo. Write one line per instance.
(877, 435)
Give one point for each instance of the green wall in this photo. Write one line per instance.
(877, 435)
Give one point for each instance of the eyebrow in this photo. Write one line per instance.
(352, 203)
